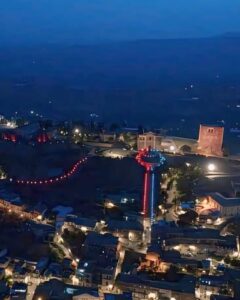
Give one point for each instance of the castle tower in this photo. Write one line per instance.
(210, 141)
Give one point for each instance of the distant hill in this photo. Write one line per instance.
(126, 63)
(234, 34)
(157, 82)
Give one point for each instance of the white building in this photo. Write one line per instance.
(169, 144)
(228, 207)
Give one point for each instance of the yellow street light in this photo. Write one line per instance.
(109, 205)
(211, 167)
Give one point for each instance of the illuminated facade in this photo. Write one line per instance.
(151, 160)
(210, 141)
(148, 140)
(170, 144)
(228, 207)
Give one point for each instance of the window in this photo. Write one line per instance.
(210, 130)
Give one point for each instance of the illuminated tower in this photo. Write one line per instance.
(210, 141)
(151, 160)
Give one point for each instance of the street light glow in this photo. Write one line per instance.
(109, 205)
(211, 167)
(84, 228)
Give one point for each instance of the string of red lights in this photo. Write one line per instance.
(53, 180)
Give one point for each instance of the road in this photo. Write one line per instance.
(120, 261)
(59, 242)
(33, 283)
(171, 214)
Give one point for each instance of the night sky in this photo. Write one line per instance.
(73, 21)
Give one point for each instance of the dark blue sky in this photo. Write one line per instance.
(34, 21)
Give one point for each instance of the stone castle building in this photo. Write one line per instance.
(209, 143)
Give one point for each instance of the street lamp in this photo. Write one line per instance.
(211, 167)
(152, 296)
(84, 229)
(109, 205)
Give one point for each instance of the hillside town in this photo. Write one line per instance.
(89, 212)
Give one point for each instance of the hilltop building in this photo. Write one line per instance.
(168, 144)
(210, 141)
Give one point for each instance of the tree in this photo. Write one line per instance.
(172, 274)
(114, 127)
(21, 122)
(56, 253)
(189, 217)
(3, 174)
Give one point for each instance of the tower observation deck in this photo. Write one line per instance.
(152, 160)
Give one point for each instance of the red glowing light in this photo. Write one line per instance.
(56, 179)
(145, 196)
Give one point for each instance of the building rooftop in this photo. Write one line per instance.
(4, 289)
(213, 280)
(88, 292)
(212, 125)
(102, 264)
(19, 291)
(101, 240)
(81, 221)
(223, 201)
(113, 225)
(180, 139)
(189, 235)
(185, 285)
(185, 232)
(56, 289)
(86, 266)
(124, 296)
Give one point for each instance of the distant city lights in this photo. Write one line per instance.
(11, 124)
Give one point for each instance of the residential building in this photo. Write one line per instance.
(228, 207)
(145, 288)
